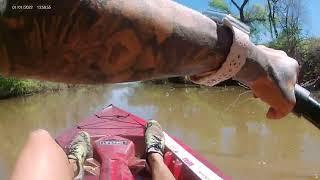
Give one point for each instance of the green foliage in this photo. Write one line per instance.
(310, 64)
(255, 16)
(10, 87)
(14, 87)
(306, 51)
(256, 13)
(292, 41)
(219, 5)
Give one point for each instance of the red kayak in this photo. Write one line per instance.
(119, 149)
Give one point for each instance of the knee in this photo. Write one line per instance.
(41, 139)
(39, 134)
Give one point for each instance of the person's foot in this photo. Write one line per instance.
(154, 138)
(79, 150)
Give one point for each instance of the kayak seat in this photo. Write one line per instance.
(117, 157)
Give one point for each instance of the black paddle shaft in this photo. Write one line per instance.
(307, 106)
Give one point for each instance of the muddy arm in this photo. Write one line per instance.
(111, 41)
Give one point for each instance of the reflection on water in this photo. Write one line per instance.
(225, 125)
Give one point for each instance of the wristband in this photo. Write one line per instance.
(235, 59)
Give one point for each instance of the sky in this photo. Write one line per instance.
(311, 26)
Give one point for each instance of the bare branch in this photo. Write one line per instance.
(245, 2)
(270, 18)
(234, 3)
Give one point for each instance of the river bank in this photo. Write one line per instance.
(12, 87)
(312, 85)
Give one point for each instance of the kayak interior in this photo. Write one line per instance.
(118, 144)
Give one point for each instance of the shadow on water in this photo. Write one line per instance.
(225, 125)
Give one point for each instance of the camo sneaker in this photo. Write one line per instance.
(80, 149)
(154, 138)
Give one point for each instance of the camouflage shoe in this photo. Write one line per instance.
(80, 149)
(154, 138)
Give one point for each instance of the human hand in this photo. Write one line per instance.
(272, 76)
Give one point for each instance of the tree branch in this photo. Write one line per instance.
(245, 2)
(234, 3)
(270, 18)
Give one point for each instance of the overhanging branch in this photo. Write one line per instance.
(234, 3)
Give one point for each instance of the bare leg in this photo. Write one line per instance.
(42, 158)
(159, 170)
(155, 143)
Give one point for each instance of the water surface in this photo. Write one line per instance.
(226, 125)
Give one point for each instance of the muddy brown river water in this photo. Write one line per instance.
(226, 125)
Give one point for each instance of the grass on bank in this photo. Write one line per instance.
(11, 87)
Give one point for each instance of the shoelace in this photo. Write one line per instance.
(74, 147)
(156, 143)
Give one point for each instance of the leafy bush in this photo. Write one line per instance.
(310, 64)
(307, 52)
(15, 87)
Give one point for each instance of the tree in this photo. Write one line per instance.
(291, 24)
(310, 64)
(253, 15)
(272, 7)
(220, 5)
(287, 21)
(241, 9)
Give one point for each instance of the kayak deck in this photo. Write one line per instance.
(119, 149)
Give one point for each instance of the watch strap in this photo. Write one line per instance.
(235, 59)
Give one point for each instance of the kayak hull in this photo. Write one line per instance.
(119, 149)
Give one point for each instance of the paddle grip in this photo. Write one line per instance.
(307, 106)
